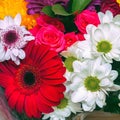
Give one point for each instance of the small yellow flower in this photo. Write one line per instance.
(12, 7)
(118, 1)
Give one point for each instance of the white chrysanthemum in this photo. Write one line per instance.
(119, 99)
(105, 41)
(13, 38)
(76, 50)
(90, 82)
(63, 110)
(106, 17)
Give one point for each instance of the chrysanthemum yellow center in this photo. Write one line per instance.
(68, 63)
(118, 1)
(63, 103)
(92, 83)
(104, 46)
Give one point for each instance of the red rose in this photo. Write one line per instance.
(84, 18)
(70, 38)
(50, 35)
(45, 20)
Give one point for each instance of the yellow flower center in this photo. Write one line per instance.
(118, 1)
(92, 83)
(63, 103)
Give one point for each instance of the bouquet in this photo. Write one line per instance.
(59, 58)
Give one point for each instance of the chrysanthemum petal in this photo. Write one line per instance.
(17, 19)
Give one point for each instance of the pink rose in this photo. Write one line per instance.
(45, 20)
(84, 18)
(51, 36)
(70, 38)
(111, 5)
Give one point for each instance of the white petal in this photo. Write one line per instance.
(90, 100)
(106, 83)
(15, 52)
(98, 35)
(76, 66)
(9, 21)
(100, 103)
(79, 95)
(7, 54)
(21, 54)
(114, 88)
(29, 38)
(17, 19)
(2, 55)
(2, 24)
(86, 107)
(113, 75)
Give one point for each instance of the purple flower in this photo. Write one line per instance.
(93, 4)
(35, 6)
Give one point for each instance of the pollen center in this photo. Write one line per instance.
(104, 46)
(63, 103)
(92, 83)
(29, 78)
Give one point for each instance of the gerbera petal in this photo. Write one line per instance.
(20, 103)
(43, 107)
(13, 99)
(34, 107)
(9, 90)
(47, 101)
(48, 90)
(28, 107)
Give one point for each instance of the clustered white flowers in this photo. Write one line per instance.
(89, 71)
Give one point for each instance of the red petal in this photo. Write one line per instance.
(42, 106)
(46, 101)
(28, 107)
(5, 80)
(13, 99)
(50, 92)
(53, 82)
(34, 106)
(20, 103)
(9, 90)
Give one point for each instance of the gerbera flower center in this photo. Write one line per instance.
(63, 103)
(10, 37)
(104, 46)
(29, 78)
(92, 83)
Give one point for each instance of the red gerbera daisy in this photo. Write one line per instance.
(37, 84)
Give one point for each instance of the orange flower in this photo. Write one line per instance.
(12, 7)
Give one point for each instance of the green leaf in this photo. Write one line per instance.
(48, 11)
(112, 103)
(59, 10)
(79, 5)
